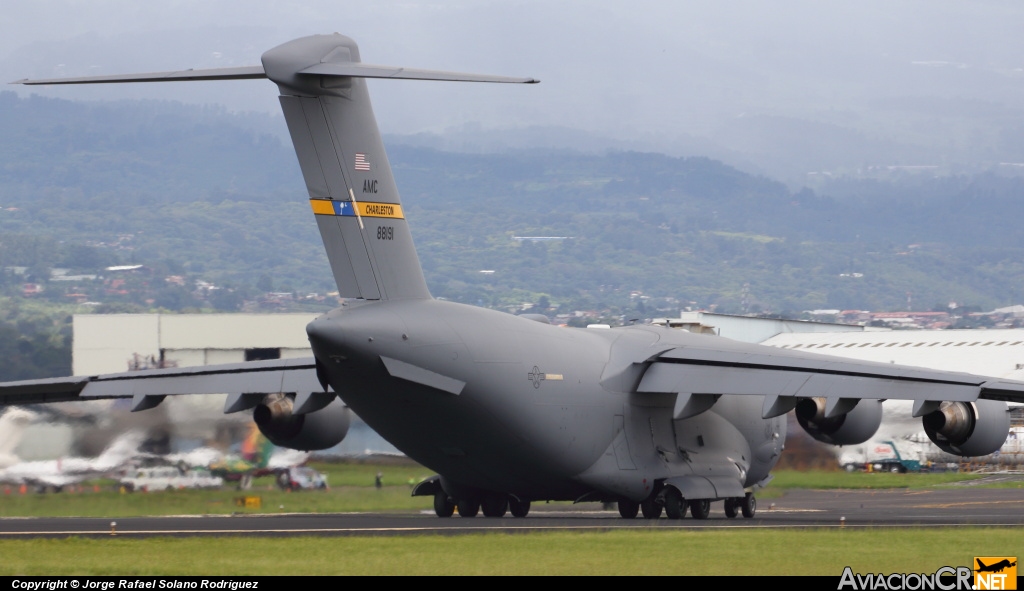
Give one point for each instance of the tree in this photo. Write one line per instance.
(265, 283)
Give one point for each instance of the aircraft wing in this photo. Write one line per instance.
(722, 366)
(243, 382)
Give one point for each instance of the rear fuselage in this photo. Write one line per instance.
(502, 403)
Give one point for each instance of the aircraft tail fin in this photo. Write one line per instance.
(352, 191)
(12, 427)
(122, 449)
(348, 177)
(256, 449)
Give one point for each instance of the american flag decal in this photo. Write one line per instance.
(362, 163)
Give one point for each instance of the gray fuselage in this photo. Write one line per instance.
(507, 404)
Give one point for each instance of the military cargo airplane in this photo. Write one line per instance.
(510, 410)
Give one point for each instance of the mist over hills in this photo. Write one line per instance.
(220, 196)
(789, 90)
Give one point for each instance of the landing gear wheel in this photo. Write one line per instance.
(748, 505)
(494, 505)
(628, 509)
(675, 506)
(700, 508)
(443, 506)
(468, 508)
(732, 508)
(518, 508)
(650, 508)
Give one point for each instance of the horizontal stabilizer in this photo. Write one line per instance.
(361, 70)
(351, 70)
(243, 73)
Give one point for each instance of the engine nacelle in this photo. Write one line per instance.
(321, 429)
(969, 428)
(855, 426)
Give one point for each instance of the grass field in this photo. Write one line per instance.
(654, 551)
(819, 479)
(650, 552)
(352, 489)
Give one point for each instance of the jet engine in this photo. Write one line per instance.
(320, 429)
(849, 428)
(968, 428)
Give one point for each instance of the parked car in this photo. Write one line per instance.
(169, 478)
(301, 477)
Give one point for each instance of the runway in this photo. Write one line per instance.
(955, 506)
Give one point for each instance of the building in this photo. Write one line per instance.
(113, 343)
(108, 343)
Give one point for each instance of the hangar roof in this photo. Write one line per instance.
(995, 352)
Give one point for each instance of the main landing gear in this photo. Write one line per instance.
(671, 501)
(491, 504)
(494, 505)
(675, 505)
(628, 509)
(443, 506)
(747, 505)
(700, 508)
(651, 508)
(518, 508)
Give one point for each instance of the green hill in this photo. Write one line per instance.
(217, 196)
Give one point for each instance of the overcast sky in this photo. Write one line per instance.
(629, 70)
